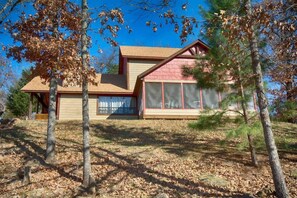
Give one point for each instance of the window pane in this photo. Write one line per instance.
(172, 95)
(210, 99)
(249, 95)
(230, 99)
(153, 95)
(116, 105)
(191, 96)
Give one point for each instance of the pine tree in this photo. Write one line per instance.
(247, 28)
(223, 67)
(17, 101)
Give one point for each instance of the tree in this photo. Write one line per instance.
(17, 101)
(238, 28)
(7, 78)
(283, 68)
(6, 74)
(8, 7)
(210, 70)
(49, 38)
(85, 97)
(106, 62)
(109, 21)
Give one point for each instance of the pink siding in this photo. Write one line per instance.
(171, 70)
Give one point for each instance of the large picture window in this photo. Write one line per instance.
(172, 96)
(117, 105)
(191, 96)
(210, 99)
(153, 95)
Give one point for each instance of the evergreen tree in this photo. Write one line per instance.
(225, 68)
(258, 22)
(18, 101)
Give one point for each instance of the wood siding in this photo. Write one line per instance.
(136, 67)
(71, 109)
(170, 112)
(178, 113)
(173, 70)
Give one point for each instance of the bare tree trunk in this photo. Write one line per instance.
(85, 98)
(277, 173)
(51, 140)
(27, 175)
(245, 116)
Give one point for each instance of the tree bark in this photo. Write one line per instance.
(27, 175)
(51, 140)
(85, 98)
(277, 173)
(245, 116)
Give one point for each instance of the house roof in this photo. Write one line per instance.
(107, 83)
(172, 56)
(116, 83)
(147, 52)
(169, 58)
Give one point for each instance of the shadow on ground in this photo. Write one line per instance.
(181, 144)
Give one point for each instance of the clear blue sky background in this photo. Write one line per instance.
(141, 35)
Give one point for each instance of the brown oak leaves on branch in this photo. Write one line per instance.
(52, 51)
(276, 25)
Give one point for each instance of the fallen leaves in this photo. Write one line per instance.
(135, 158)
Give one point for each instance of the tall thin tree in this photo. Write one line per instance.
(85, 96)
(277, 173)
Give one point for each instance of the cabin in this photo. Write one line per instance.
(149, 85)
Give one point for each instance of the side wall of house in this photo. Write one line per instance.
(136, 67)
(71, 108)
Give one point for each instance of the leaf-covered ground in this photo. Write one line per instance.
(140, 158)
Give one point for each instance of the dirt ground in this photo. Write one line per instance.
(140, 158)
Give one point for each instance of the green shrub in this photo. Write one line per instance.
(212, 121)
(241, 132)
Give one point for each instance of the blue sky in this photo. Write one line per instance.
(141, 35)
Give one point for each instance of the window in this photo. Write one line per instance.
(249, 95)
(172, 96)
(210, 99)
(174, 99)
(191, 96)
(153, 95)
(230, 99)
(116, 105)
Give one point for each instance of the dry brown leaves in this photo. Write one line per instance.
(136, 158)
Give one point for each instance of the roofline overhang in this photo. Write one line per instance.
(79, 92)
(145, 57)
